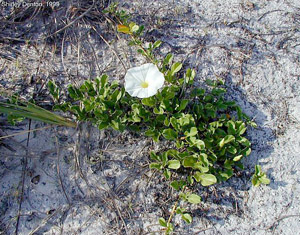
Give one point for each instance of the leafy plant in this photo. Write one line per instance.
(205, 132)
(259, 177)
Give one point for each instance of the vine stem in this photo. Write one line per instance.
(173, 211)
(143, 49)
(135, 38)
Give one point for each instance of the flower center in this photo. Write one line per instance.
(144, 84)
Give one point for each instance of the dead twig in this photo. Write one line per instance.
(72, 22)
(24, 132)
(46, 220)
(276, 222)
(25, 159)
(58, 172)
(110, 47)
(266, 13)
(62, 60)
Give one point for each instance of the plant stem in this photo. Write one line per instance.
(172, 212)
(143, 49)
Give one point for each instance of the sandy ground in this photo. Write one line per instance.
(85, 181)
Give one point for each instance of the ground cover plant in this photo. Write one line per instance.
(204, 131)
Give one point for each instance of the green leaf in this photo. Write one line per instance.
(167, 174)
(187, 218)
(242, 129)
(157, 44)
(158, 111)
(103, 125)
(75, 93)
(194, 198)
(211, 83)
(190, 180)
(170, 228)
(255, 181)
(174, 123)
(175, 185)
(135, 118)
(141, 51)
(189, 161)
(104, 80)
(150, 133)
(231, 149)
(190, 75)
(169, 134)
(183, 105)
(154, 156)
(168, 59)
(167, 94)
(226, 140)
(237, 158)
(244, 141)
(164, 158)
(157, 166)
(180, 210)
(200, 166)
(197, 92)
(228, 164)
(134, 28)
(193, 131)
(115, 124)
(253, 124)
(218, 91)
(151, 101)
(116, 96)
(264, 180)
(248, 151)
(231, 128)
(183, 196)
(257, 169)
(175, 68)
(166, 121)
(205, 179)
(196, 142)
(54, 90)
(162, 222)
(239, 112)
(174, 164)
(173, 152)
(140, 31)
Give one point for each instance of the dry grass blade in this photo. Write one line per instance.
(35, 112)
(24, 132)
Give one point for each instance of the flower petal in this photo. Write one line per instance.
(132, 85)
(145, 68)
(152, 91)
(136, 76)
(136, 92)
(154, 77)
(142, 93)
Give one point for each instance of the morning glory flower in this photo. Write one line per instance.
(143, 81)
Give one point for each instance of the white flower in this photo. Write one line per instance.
(143, 81)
